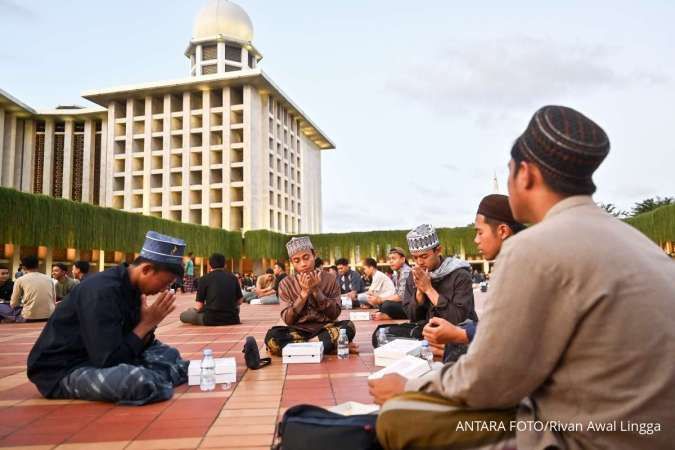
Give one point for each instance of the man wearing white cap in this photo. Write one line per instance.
(313, 304)
(99, 344)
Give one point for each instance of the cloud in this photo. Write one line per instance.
(11, 8)
(490, 79)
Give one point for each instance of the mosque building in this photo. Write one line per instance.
(224, 147)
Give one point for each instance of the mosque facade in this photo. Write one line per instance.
(224, 147)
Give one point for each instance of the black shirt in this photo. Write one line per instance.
(93, 326)
(277, 280)
(220, 292)
(6, 291)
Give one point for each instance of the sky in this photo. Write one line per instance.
(422, 99)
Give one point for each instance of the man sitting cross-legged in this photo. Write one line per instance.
(312, 299)
(99, 344)
(578, 321)
(391, 307)
(494, 224)
(380, 287)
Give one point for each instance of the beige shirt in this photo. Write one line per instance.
(382, 286)
(580, 322)
(37, 291)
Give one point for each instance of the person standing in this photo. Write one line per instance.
(189, 277)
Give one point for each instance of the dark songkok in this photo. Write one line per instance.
(496, 207)
(566, 145)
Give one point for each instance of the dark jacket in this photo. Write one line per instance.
(92, 326)
(455, 301)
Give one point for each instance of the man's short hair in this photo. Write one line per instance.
(60, 266)
(217, 261)
(3, 267)
(398, 251)
(514, 226)
(83, 266)
(176, 269)
(30, 262)
(370, 262)
(269, 272)
(281, 265)
(342, 262)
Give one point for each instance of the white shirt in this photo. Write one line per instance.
(381, 286)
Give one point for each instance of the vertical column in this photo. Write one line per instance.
(107, 157)
(103, 158)
(221, 57)
(16, 260)
(68, 159)
(49, 259)
(88, 161)
(2, 142)
(249, 161)
(166, 157)
(128, 146)
(101, 260)
(8, 179)
(187, 126)
(486, 266)
(198, 60)
(206, 157)
(147, 155)
(28, 155)
(48, 157)
(227, 152)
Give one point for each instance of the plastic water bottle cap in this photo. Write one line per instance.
(208, 352)
(425, 344)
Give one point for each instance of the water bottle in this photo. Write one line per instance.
(207, 377)
(382, 337)
(426, 353)
(343, 345)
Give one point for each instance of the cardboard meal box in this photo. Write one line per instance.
(408, 367)
(226, 371)
(303, 352)
(395, 350)
(359, 315)
(354, 408)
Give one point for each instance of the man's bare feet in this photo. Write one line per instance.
(354, 348)
(381, 316)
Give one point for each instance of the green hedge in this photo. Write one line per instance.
(658, 225)
(31, 219)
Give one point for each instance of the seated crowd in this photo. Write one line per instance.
(576, 325)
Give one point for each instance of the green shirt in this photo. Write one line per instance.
(189, 268)
(64, 287)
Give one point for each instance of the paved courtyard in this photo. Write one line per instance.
(241, 417)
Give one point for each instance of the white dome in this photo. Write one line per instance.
(222, 17)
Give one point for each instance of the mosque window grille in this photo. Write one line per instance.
(209, 69)
(57, 168)
(38, 160)
(78, 160)
(209, 52)
(233, 53)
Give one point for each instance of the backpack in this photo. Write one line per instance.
(309, 427)
(401, 331)
(252, 355)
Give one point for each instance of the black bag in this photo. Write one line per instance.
(400, 331)
(252, 355)
(308, 427)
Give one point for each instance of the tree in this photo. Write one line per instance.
(651, 204)
(612, 209)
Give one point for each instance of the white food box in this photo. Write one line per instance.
(302, 352)
(346, 302)
(353, 408)
(226, 371)
(359, 315)
(408, 367)
(395, 350)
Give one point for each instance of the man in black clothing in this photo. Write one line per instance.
(6, 286)
(350, 281)
(218, 297)
(99, 343)
(279, 274)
